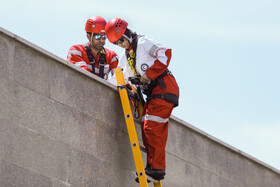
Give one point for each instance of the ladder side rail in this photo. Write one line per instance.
(131, 129)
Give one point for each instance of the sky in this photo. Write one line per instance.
(225, 57)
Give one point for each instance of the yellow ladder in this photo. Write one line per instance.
(132, 132)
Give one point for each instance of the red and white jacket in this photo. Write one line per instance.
(77, 55)
(153, 59)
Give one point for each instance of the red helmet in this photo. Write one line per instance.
(95, 24)
(115, 28)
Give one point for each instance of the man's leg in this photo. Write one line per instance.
(155, 131)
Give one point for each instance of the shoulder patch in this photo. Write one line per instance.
(144, 67)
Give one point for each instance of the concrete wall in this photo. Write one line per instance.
(60, 126)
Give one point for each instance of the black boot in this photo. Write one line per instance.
(137, 179)
(148, 166)
(157, 174)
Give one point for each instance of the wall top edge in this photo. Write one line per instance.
(102, 81)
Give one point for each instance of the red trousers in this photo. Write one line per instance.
(155, 126)
(155, 131)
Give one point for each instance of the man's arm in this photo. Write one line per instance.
(163, 57)
(75, 56)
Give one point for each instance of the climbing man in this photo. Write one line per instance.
(147, 60)
(92, 56)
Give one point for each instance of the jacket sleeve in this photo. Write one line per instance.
(75, 56)
(162, 57)
(114, 62)
(127, 71)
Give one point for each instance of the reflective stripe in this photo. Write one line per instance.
(153, 50)
(155, 118)
(81, 63)
(106, 69)
(96, 70)
(161, 56)
(75, 52)
(89, 66)
(114, 59)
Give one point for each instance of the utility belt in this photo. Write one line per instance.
(169, 97)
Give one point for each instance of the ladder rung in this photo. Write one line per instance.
(136, 148)
(142, 148)
(151, 179)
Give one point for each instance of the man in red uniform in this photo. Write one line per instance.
(92, 56)
(148, 60)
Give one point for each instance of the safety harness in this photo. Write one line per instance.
(131, 58)
(169, 97)
(131, 55)
(102, 60)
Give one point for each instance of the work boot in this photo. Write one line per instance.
(137, 180)
(157, 174)
(148, 166)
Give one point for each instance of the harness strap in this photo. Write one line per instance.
(169, 97)
(131, 60)
(149, 89)
(160, 78)
(131, 55)
(102, 60)
(90, 57)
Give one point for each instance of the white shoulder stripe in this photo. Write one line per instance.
(153, 50)
(161, 56)
(75, 52)
(81, 63)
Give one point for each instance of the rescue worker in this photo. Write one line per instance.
(148, 60)
(92, 56)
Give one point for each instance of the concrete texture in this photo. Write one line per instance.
(61, 126)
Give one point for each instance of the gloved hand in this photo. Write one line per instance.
(145, 79)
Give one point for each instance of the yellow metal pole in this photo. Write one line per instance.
(158, 184)
(131, 129)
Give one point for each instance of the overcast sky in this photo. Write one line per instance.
(225, 57)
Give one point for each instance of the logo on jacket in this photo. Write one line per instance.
(144, 67)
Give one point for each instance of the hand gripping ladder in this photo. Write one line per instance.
(132, 132)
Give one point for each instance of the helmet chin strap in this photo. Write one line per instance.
(91, 37)
(128, 38)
